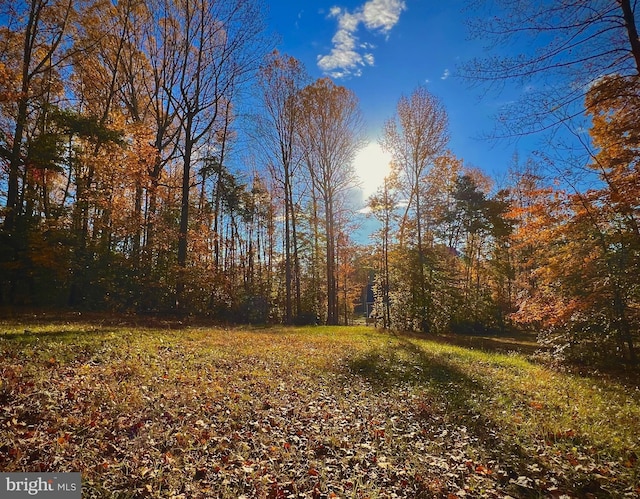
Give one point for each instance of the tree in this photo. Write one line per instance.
(580, 56)
(481, 234)
(219, 49)
(383, 205)
(568, 46)
(576, 259)
(348, 280)
(96, 84)
(36, 41)
(612, 210)
(280, 81)
(158, 75)
(330, 133)
(415, 137)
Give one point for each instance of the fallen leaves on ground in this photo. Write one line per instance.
(275, 414)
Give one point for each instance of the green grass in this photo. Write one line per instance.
(306, 412)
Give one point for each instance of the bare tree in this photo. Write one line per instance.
(330, 132)
(567, 45)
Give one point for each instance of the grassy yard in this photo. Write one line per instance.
(306, 412)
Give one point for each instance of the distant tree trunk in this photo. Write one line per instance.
(382, 204)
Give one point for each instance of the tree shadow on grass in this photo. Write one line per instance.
(403, 362)
(54, 347)
(29, 336)
(462, 398)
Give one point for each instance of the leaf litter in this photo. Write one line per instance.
(278, 414)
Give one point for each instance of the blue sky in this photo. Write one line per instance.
(382, 49)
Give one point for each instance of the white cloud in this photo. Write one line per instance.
(382, 14)
(347, 57)
(446, 74)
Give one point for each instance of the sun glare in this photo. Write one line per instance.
(372, 166)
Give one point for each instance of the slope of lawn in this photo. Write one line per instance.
(306, 412)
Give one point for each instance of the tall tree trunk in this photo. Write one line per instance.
(13, 207)
(15, 162)
(316, 255)
(386, 314)
(150, 223)
(425, 312)
(137, 236)
(332, 301)
(296, 257)
(184, 215)
(287, 246)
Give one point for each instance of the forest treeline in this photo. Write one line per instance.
(119, 124)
